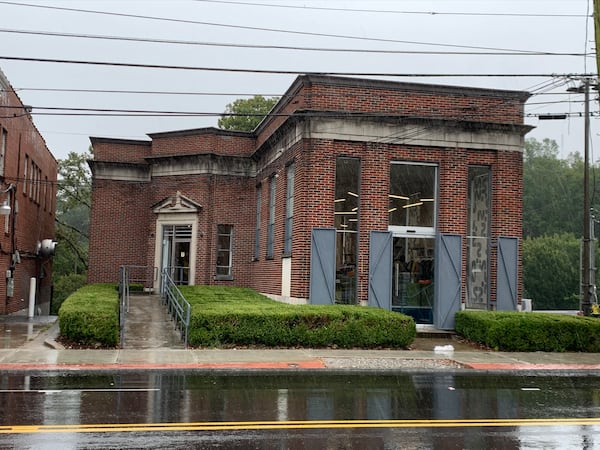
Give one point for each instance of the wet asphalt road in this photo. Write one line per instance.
(298, 411)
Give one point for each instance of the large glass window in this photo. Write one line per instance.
(347, 190)
(289, 210)
(412, 195)
(224, 250)
(258, 219)
(478, 233)
(271, 225)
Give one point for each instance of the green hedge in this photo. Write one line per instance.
(224, 316)
(530, 332)
(90, 316)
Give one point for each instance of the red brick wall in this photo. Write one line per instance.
(35, 219)
(116, 150)
(123, 225)
(217, 143)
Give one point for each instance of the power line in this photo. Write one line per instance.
(198, 93)
(290, 72)
(261, 29)
(392, 11)
(123, 91)
(109, 112)
(289, 47)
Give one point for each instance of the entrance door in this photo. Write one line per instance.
(412, 277)
(176, 240)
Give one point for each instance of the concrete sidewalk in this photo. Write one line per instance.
(32, 346)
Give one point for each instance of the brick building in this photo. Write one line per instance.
(398, 195)
(28, 174)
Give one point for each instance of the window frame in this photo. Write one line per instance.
(289, 210)
(258, 222)
(415, 230)
(224, 230)
(271, 223)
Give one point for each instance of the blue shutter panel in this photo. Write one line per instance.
(507, 274)
(380, 269)
(322, 266)
(448, 280)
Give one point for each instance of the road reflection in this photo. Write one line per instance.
(297, 411)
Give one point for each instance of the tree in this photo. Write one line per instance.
(551, 271)
(552, 190)
(246, 114)
(73, 201)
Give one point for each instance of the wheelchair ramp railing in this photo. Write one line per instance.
(143, 320)
(177, 306)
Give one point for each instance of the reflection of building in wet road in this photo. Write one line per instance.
(373, 410)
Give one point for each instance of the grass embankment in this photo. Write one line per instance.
(530, 332)
(225, 316)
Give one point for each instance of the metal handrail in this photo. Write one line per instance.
(178, 307)
(144, 275)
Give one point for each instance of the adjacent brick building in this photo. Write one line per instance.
(399, 195)
(28, 174)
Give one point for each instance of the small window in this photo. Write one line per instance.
(271, 225)
(258, 219)
(25, 169)
(224, 250)
(289, 211)
(2, 150)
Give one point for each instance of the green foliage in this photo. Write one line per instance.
(246, 114)
(90, 316)
(64, 286)
(530, 332)
(552, 190)
(552, 224)
(551, 271)
(224, 316)
(73, 200)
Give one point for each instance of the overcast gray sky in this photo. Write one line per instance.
(391, 38)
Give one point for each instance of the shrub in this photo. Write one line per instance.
(90, 316)
(530, 332)
(223, 316)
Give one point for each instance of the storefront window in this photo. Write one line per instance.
(347, 203)
(478, 232)
(412, 195)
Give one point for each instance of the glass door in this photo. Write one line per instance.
(412, 277)
(176, 252)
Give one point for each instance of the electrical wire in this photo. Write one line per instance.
(392, 11)
(261, 29)
(285, 72)
(288, 47)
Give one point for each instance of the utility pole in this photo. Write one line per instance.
(588, 289)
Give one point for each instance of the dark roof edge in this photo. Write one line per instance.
(200, 131)
(104, 140)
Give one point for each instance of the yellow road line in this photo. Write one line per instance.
(295, 424)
